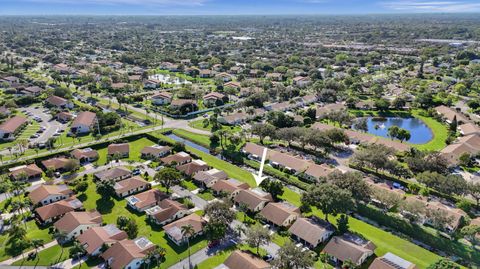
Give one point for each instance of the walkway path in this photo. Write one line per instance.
(25, 254)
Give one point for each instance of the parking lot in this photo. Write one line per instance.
(49, 127)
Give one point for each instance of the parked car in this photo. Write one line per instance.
(268, 258)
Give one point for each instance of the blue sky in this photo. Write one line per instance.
(232, 7)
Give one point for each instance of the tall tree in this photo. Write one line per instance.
(290, 256)
(329, 198)
(168, 177)
(256, 236)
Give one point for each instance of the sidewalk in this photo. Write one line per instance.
(25, 254)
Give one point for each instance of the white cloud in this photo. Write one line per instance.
(432, 6)
(128, 2)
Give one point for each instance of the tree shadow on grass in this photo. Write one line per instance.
(105, 205)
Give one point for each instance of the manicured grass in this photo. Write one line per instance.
(111, 209)
(198, 124)
(135, 148)
(439, 130)
(232, 171)
(206, 195)
(202, 140)
(33, 232)
(46, 257)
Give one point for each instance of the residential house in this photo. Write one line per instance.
(32, 91)
(469, 144)
(50, 212)
(128, 254)
(349, 247)
(95, 238)
(4, 111)
(254, 199)
(115, 174)
(64, 116)
(391, 261)
(167, 211)
(10, 80)
(151, 84)
(301, 81)
(225, 77)
(316, 171)
(178, 158)
(11, 127)
(26, 172)
(449, 114)
(231, 186)
(232, 84)
(84, 123)
(155, 152)
(325, 109)
(177, 103)
(469, 128)
(213, 99)
(130, 186)
(274, 76)
(59, 102)
(311, 232)
(240, 259)
(280, 214)
(174, 229)
(162, 98)
(46, 194)
(145, 200)
(122, 150)
(206, 73)
(56, 164)
(74, 223)
(208, 178)
(193, 167)
(84, 155)
(292, 164)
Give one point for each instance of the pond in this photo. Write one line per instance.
(420, 132)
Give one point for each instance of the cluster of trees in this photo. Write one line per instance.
(379, 157)
(129, 225)
(399, 133)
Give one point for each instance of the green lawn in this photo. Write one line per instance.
(33, 232)
(111, 209)
(385, 241)
(46, 257)
(135, 148)
(202, 140)
(198, 124)
(439, 130)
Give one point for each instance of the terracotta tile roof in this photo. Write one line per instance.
(210, 175)
(123, 252)
(349, 247)
(174, 229)
(43, 191)
(450, 114)
(155, 150)
(113, 173)
(310, 230)
(213, 95)
(30, 170)
(55, 163)
(58, 208)
(192, 167)
(469, 128)
(162, 95)
(12, 124)
(130, 184)
(252, 198)
(72, 220)
(279, 212)
(244, 260)
(147, 198)
(319, 170)
(84, 118)
(166, 210)
(56, 100)
(178, 157)
(118, 148)
(84, 153)
(229, 186)
(181, 102)
(95, 237)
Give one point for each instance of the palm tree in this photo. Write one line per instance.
(61, 237)
(187, 232)
(36, 244)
